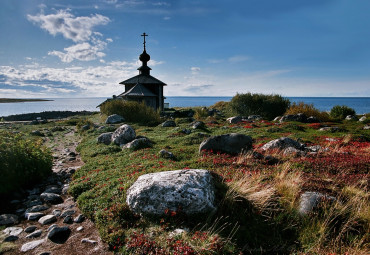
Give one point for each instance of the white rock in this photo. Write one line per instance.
(47, 219)
(114, 119)
(123, 134)
(281, 143)
(311, 200)
(191, 190)
(86, 240)
(31, 245)
(13, 231)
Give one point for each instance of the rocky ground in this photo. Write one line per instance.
(47, 220)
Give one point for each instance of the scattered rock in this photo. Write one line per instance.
(13, 231)
(11, 238)
(80, 218)
(68, 212)
(270, 160)
(52, 226)
(169, 123)
(105, 138)
(311, 200)
(177, 232)
(351, 117)
(30, 229)
(124, 134)
(68, 220)
(86, 240)
(137, 144)
(51, 198)
(362, 119)
(47, 219)
(57, 212)
(35, 234)
(191, 190)
(166, 154)
(37, 133)
(37, 208)
(300, 117)
(330, 129)
(59, 234)
(366, 127)
(312, 119)
(234, 120)
(254, 117)
(291, 151)
(230, 143)
(31, 245)
(198, 125)
(186, 131)
(34, 216)
(114, 119)
(8, 219)
(85, 127)
(281, 143)
(53, 189)
(80, 228)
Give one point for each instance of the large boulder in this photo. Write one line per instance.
(114, 119)
(282, 143)
(138, 143)
(169, 123)
(230, 143)
(105, 138)
(124, 134)
(191, 190)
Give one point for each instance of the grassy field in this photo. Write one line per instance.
(257, 202)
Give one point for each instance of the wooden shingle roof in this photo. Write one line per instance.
(138, 90)
(143, 79)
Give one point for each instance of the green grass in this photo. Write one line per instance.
(257, 203)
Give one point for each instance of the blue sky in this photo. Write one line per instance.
(75, 48)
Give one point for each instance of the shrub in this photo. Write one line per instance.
(23, 162)
(307, 109)
(341, 112)
(268, 106)
(201, 113)
(132, 111)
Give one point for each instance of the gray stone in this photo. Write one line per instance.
(52, 226)
(80, 218)
(137, 144)
(198, 124)
(53, 189)
(166, 154)
(351, 117)
(366, 127)
(80, 228)
(105, 138)
(47, 219)
(68, 212)
(254, 117)
(314, 148)
(291, 151)
(311, 200)
(90, 241)
(13, 231)
(8, 219)
(37, 133)
(51, 198)
(35, 234)
(34, 216)
(59, 234)
(114, 119)
(312, 119)
(11, 238)
(281, 143)
(124, 134)
(169, 123)
(37, 208)
(230, 143)
(191, 190)
(362, 119)
(31, 245)
(68, 220)
(30, 229)
(330, 129)
(300, 117)
(270, 160)
(57, 212)
(85, 127)
(177, 232)
(234, 120)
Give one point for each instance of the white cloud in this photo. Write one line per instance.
(77, 29)
(238, 58)
(82, 51)
(167, 18)
(195, 70)
(89, 45)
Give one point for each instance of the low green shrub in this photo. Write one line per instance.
(200, 113)
(132, 111)
(268, 106)
(341, 111)
(23, 162)
(309, 110)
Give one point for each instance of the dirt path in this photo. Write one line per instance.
(78, 237)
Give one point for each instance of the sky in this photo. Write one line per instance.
(75, 48)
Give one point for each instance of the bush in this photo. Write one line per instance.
(132, 111)
(307, 109)
(201, 113)
(341, 112)
(23, 162)
(268, 106)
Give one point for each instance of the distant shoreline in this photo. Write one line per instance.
(21, 100)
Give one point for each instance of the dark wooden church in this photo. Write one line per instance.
(144, 87)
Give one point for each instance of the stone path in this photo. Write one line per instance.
(47, 220)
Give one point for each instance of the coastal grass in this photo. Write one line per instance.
(257, 202)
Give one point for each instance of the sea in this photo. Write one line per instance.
(360, 104)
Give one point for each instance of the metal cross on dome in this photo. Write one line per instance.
(144, 34)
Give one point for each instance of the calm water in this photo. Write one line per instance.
(360, 104)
